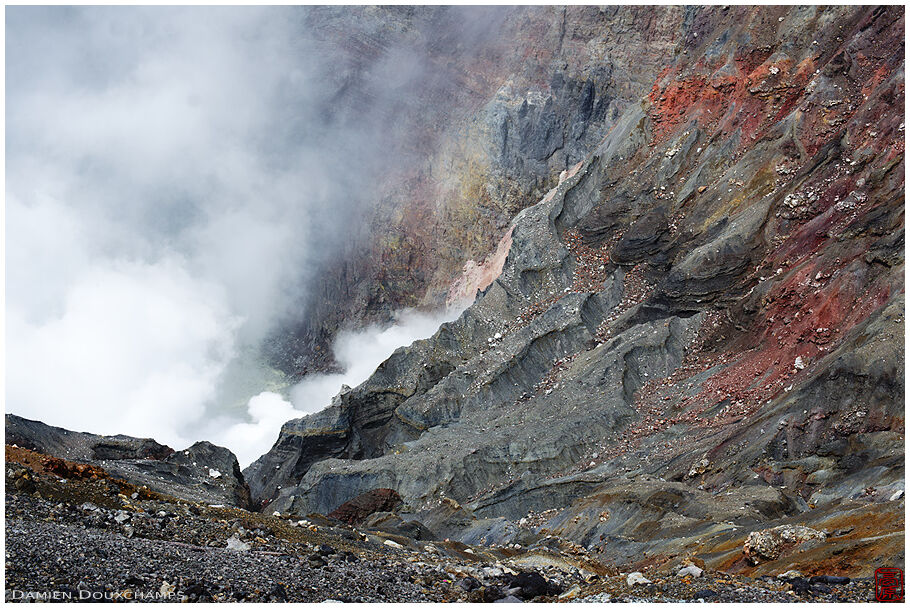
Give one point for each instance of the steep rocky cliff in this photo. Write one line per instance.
(486, 107)
(697, 332)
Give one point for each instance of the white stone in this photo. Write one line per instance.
(693, 571)
(235, 544)
(214, 474)
(897, 495)
(393, 544)
(636, 578)
(571, 593)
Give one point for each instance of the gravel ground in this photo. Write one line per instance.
(49, 556)
(91, 539)
(87, 539)
(717, 587)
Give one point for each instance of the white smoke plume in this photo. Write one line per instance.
(170, 175)
(358, 352)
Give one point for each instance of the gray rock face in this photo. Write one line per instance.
(533, 133)
(203, 472)
(508, 98)
(432, 382)
(503, 440)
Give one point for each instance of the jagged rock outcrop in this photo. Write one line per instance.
(696, 334)
(40, 437)
(203, 472)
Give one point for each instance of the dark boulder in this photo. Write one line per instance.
(531, 585)
(830, 580)
(392, 522)
(355, 511)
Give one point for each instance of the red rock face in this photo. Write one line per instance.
(375, 501)
(754, 90)
(841, 96)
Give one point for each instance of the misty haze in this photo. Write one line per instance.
(175, 178)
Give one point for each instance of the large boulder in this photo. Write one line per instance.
(358, 509)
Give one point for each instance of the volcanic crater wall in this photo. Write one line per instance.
(708, 305)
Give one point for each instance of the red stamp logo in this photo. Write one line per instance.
(889, 585)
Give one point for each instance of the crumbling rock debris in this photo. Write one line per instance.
(769, 543)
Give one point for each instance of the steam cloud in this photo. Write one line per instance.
(359, 353)
(171, 176)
